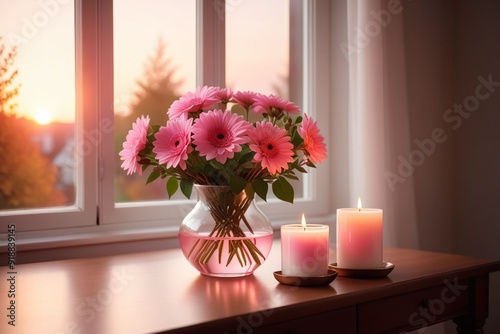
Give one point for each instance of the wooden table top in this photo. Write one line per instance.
(159, 291)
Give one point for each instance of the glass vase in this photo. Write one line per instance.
(225, 234)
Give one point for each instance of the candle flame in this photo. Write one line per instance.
(304, 225)
(359, 203)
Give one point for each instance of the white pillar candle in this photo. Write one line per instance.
(359, 238)
(304, 249)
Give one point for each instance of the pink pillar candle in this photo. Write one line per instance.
(304, 250)
(359, 238)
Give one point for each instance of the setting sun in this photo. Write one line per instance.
(43, 116)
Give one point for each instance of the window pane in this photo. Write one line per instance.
(257, 46)
(154, 64)
(37, 104)
(258, 53)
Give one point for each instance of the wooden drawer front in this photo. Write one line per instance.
(416, 309)
(340, 321)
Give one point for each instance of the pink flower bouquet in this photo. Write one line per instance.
(209, 139)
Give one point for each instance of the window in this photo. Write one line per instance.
(43, 130)
(257, 51)
(129, 52)
(153, 65)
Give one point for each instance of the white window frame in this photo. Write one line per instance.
(211, 71)
(149, 220)
(84, 211)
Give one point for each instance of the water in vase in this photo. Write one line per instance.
(210, 258)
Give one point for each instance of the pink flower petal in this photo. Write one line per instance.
(172, 144)
(245, 99)
(266, 104)
(219, 134)
(272, 147)
(313, 141)
(134, 143)
(204, 98)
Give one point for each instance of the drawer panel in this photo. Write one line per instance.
(339, 321)
(416, 309)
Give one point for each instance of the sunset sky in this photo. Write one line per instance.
(45, 55)
(257, 39)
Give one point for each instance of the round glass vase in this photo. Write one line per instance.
(225, 234)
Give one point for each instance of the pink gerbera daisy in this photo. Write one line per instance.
(313, 141)
(224, 95)
(203, 98)
(172, 144)
(245, 99)
(218, 134)
(134, 143)
(272, 147)
(273, 104)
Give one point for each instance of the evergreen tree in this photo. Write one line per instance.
(158, 88)
(155, 92)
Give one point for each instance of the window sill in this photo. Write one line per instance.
(103, 240)
(91, 241)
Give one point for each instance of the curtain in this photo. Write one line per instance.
(405, 65)
(378, 118)
(379, 130)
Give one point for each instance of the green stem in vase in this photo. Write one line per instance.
(228, 210)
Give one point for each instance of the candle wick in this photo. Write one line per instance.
(359, 209)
